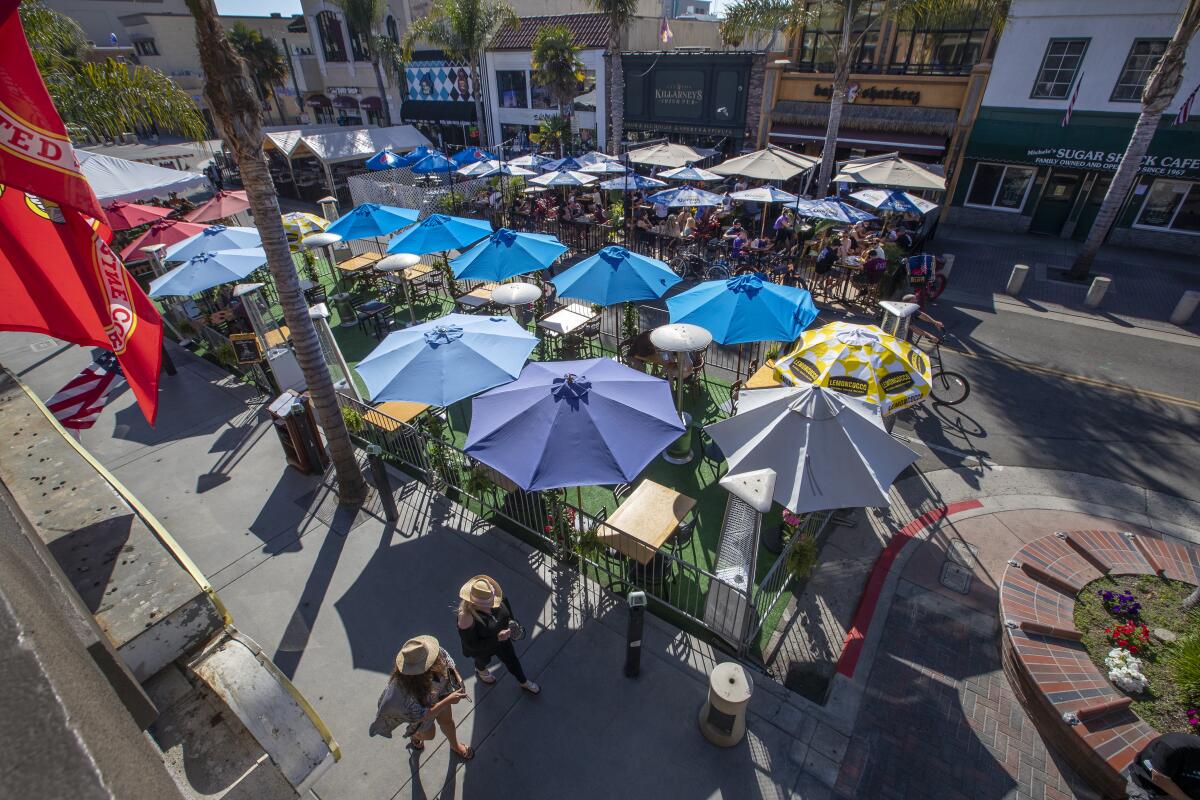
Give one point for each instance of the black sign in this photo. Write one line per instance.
(688, 93)
(679, 93)
(246, 348)
(896, 382)
(805, 369)
(855, 387)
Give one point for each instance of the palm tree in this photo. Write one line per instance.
(362, 18)
(235, 107)
(462, 30)
(556, 64)
(107, 98)
(619, 12)
(795, 16)
(553, 130)
(266, 63)
(1160, 91)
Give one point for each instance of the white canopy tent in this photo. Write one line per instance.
(351, 144)
(117, 179)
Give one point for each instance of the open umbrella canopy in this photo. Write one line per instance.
(560, 164)
(765, 194)
(690, 173)
(434, 162)
(665, 154)
(486, 169)
(685, 196)
(165, 231)
(860, 361)
(122, 216)
(616, 275)
(470, 155)
(213, 239)
(206, 270)
(573, 423)
(823, 450)
(889, 169)
(298, 224)
(372, 219)
(438, 233)
(415, 155)
(442, 361)
(771, 164)
(507, 253)
(384, 159)
(833, 208)
(745, 308)
(631, 182)
(219, 206)
(535, 160)
(603, 168)
(563, 178)
(595, 157)
(894, 200)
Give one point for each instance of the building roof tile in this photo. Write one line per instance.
(590, 30)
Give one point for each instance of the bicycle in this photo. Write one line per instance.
(946, 387)
(931, 289)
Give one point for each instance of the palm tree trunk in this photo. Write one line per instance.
(616, 91)
(1191, 601)
(1159, 92)
(231, 97)
(837, 99)
(387, 109)
(484, 138)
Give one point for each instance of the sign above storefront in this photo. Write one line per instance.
(1067, 158)
(856, 91)
(342, 90)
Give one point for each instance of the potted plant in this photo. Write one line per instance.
(803, 557)
(774, 538)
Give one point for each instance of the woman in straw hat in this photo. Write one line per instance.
(423, 687)
(486, 626)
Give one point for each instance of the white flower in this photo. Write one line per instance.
(1125, 671)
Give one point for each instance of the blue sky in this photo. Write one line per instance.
(289, 7)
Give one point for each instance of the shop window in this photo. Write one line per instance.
(511, 86)
(329, 29)
(392, 32)
(1142, 59)
(1174, 205)
(951, 46)
(588, 85)
(1060, 65)
(358, 45)
(516, 135)
(323, 115)
(725, 95)
(145, 47)
(819, 41)
(999, 186)
(540, 96)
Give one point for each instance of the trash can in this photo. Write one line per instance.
(723, 715)
(345, 308)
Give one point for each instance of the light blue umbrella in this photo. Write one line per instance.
(206, 270)
(685, 196)
(384, 159)
(372, 220)
(212, 239)
(833, 208)
(631, 182)
(442, 361)
(470, 155)
(486, 169)
(690, 173)
(894, 200)
(507, 253)
(615, 275)
(595, 157)
(765, 194)
(438, 233)
(434, 162)
(745, 308)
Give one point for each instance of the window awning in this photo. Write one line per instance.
(344, 101)
(864, 117)
(920, 144)
(318, 100)
(437, 111)
(372, 103)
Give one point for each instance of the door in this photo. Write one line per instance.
(1095, 199)
(1055, 204)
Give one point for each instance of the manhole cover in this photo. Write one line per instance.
(961, 553)
(956, 577)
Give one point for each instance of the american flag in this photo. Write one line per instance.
(77, 405)
(1066, 120)
(1185, 110)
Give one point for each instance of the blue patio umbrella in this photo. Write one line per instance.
(438, 233)
(507, 253)
(615, 275)
(685, 196)
(745, 308)
(765, 194)
(470, 155)
(896, 200)
(206, 270)
(434, 162)
(631, 182)
(832, 208)
(486, 169)
(212, 239)
(372, 219)
(415, 155)
(442, 361)
(560, 164)
(573, 423)
(384, 159)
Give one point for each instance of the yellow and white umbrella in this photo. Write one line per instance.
(860, 361)
(298, 224)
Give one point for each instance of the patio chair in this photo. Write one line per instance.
(316, 295)
(710, 452)
(735, 390)
(621, 491)
(654, 576)
(683, 534)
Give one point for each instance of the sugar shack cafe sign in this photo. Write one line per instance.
(1077, 158)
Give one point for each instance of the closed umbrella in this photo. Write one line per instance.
(894, 200)
(212, 239)
(745, 308)
(122, 216)
(384, 159)
(219, 206)
(665, 154)
(573, 423)
(820, 449)
(563, 178)
(616, 275)
(771, 164)
(165, 231)
(890, 170)
(442, 361)
(438, 233)
(507, 253)
(832, 208)
(632, 182)
(685, 196)
(690, 174)
(206, 270)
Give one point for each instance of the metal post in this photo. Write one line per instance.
(383, 482)
(633, 642)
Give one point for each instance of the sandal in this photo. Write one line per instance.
(415, 745)
(485, 676)
(531, 687)
(466, 754)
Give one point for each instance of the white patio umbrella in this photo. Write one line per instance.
(889, 170)
(819, 449)
(564, 177)
(603, 168)
(665, 154)
(690, 174)
(488, 168)
(771, 164)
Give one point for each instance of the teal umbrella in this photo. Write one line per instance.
(507, 253)
(616, 275)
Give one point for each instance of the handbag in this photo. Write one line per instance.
(515, 628)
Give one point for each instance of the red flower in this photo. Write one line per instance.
(1133, 648)
(549, 529)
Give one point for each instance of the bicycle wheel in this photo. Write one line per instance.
(719, 270)
(934, 289)
(949, 388)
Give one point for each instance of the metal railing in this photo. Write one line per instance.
(771, 588)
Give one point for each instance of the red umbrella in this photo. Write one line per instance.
(123, 216)
(223, 204)
(165, 231)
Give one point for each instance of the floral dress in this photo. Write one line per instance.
(397, 706)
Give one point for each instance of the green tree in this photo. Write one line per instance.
(265, 60)
(553, 130)
(238, 113)
(1161, 88)
(793, 17)
(619, 12)
(462, 29)
(362, 18)
(106, 98)
(556, 64)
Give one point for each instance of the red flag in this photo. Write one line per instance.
(57, 274)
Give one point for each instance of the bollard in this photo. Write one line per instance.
(633, 641)
(946, 267)
(723, 715)
(383, 482)
(168, 365)
(1185, 307)
(1017, 279)
(1096, 291)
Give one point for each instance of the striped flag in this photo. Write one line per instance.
(1066, 120)
(1185, 110)
(77, 405)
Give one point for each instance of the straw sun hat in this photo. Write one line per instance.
(417, 655)
(482, 590)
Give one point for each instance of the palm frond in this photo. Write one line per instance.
(461, 28)
(952, 13)
(110, 98)
(746, 16)
(618, 12)
(556, 64)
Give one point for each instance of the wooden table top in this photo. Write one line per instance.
(359, 263)
(764, 378)
(276, 337)
(397, 411)
(478, 296)
(648, 516)
(417, 270)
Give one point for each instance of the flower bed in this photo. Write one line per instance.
(1117, 618)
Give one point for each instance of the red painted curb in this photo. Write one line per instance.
(856, 635)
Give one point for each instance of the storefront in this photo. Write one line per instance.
(440, 99)
(1026, 172)
(704, 99)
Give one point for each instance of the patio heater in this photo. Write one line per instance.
(680, 338)
(896, 317)
(334, 359)
(341, 300)
(516, 295)
(396, 264)
(329, 208)
(278, 357)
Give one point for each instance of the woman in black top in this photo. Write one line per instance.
(485, 625)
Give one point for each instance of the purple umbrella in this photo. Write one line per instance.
(573, 423)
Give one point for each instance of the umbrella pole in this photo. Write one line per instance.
(579, 499)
